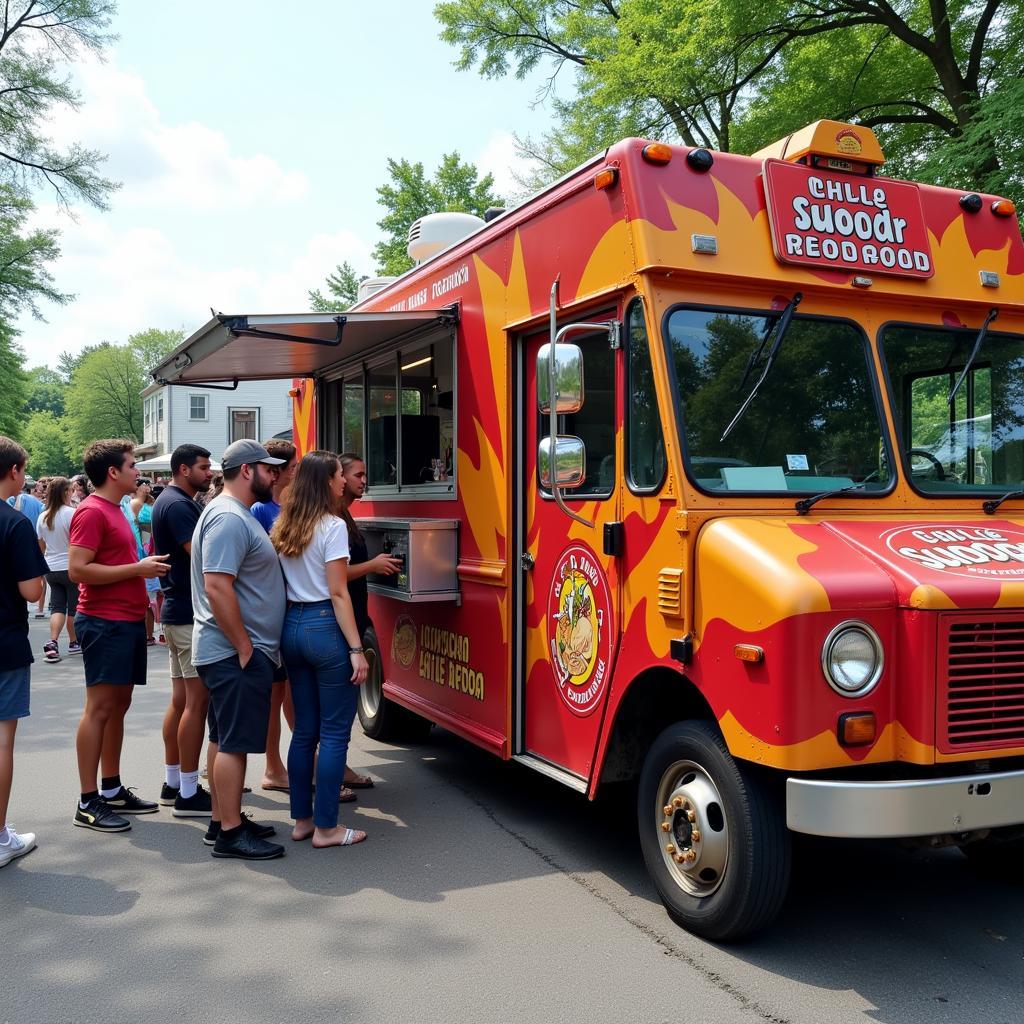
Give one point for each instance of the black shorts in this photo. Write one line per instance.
(113, 651)
(63, 593)
(239, 702)
(281, 672)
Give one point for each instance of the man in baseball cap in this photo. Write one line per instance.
(238, 600)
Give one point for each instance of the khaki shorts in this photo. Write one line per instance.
(179, 646)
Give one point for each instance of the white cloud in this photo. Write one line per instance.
(128, 279)
(501, 158)
(165, 164)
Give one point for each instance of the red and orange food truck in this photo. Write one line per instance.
(707, 473)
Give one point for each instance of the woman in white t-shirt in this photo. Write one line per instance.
(320, 645)
(53, 528)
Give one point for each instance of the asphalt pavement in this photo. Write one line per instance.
(484, 893)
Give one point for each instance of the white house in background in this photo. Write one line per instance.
(180, 414)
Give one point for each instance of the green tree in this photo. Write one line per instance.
(104, 399)
(13, 384)
(151, 345)
(456, 188)
(68, 362)
(46, 444)
(36, 42)
(939, 82)
(24, 279)
(45, 392)
(342, 290)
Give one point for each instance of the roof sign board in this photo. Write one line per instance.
(834, 221)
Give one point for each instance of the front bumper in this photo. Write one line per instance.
(928, 807)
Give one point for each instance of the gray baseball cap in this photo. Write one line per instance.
(246, 452)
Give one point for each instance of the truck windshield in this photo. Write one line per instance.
(815, 425)
(974, 445)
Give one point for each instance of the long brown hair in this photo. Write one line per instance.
(306, 502)
(56, 497)
(346, 459)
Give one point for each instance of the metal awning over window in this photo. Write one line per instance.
(270, 347)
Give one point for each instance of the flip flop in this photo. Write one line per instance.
(346, 796)
(350, 837)
(275, 789)
(359, 782)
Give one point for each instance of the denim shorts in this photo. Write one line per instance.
(14, 693)
(113, 651)
(239, 710)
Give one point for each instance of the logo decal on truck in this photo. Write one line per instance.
(403, 642)
(962, 551)
(579, 629)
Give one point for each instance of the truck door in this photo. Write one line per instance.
(569, 588)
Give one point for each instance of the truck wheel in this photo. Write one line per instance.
(713, 835)
(996, 858)
(381, 718)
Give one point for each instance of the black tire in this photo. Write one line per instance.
(381, 718)
(1002, 859)
(726, 820)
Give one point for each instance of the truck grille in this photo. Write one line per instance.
(981, 683)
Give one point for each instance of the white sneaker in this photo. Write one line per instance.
(16, 846)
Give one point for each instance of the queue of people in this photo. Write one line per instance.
(270, 572)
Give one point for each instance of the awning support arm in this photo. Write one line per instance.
(239, 326)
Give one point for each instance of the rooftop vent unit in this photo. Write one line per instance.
(437, 231)
(371, 286)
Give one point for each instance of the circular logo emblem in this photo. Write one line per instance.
(403, 641)
(974, 552)
(579, 629)
(848, 141)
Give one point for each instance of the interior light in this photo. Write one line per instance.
(606, 178)
(418, 362)
(657, 153)
(1004, 208)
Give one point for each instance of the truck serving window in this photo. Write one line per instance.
(814, 424)
(974, 444)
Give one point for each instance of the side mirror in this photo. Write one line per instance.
(568, 379)
(570, 462)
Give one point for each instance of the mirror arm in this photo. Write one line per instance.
(556, 337)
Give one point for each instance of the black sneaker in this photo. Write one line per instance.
(126, 802)
(168, 794)
(246, 846)
(252, 827)
(99, 817)
(198, 805)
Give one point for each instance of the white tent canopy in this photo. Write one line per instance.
(162, 464)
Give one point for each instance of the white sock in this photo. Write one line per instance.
(189, 784)
(105, 793)
(172, 775)
(5, 837)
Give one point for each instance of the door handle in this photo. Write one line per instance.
(527, 561)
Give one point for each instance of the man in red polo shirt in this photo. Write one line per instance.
(111, 627)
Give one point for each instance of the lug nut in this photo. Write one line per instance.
(667, 810)
(691, 816)
(689, 856)
(695, 835)
(666, 826)
(670, 848)
(679, 858)
(677, 802)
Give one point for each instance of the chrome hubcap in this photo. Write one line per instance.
(690, 821)
(369, 692)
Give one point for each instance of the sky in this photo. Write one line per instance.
(250, 143)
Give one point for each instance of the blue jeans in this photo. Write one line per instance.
(320, 672)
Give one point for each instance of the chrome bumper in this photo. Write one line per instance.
(928, 807)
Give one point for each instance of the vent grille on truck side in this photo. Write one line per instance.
(981, 683)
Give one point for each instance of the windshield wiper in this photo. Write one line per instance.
(989, 507)
(804, 505)
(993, 313)
(780, 332)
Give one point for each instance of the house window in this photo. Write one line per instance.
(198, 408)
(243, 423)
(160, 409)
(147, 407)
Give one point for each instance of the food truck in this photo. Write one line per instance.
(707, 472)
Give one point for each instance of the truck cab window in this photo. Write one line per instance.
(644, 435)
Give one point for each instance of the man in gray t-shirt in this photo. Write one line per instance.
(238, 600)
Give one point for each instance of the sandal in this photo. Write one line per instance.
(359, 781)
(350, 838)
(346, 796)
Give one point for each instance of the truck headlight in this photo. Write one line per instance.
(852, 659)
